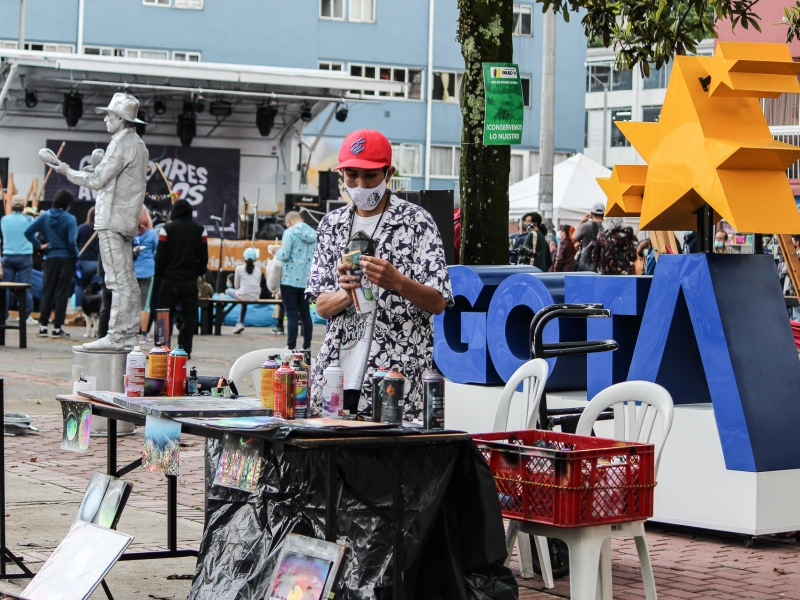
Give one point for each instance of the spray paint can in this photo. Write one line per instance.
(268, 381)
(176, 372)
(332, 390)
(377, 378)
(433, 400)
(306, 357)
(392, 405)
(135, 367)
(300, 386)
(284, 392)
(158, 361)
(192, 382)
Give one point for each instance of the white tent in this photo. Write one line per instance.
(575, 191)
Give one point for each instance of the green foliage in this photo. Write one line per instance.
(791, 18)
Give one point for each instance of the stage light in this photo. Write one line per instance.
(265, 118)
(221, 108)
(141, 128)
(31, 99)
(159, 106)
(187, 124)
(341, 113)
(305, 113)
(72, 109)
(199, 102)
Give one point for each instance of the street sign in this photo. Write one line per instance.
(504, 107)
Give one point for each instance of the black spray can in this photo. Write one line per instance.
(433, 400)
(377, 378)
(392, 388)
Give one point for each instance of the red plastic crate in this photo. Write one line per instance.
(569, 480)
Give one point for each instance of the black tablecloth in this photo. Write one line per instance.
(454, 538)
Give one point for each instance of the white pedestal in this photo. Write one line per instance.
(694, 487)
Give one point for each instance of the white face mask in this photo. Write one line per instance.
(367, 198)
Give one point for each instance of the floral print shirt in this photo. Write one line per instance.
(403, 333)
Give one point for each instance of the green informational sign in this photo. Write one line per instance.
(504, 108)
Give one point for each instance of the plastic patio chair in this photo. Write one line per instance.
(250, 363)
(636, 405)
(533, 376)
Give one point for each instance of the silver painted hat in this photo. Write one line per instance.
(124, 106)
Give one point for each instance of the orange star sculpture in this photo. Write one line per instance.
(624, 189)
(712, 144)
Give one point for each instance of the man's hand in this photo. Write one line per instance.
(382, 273)
(43, 247)
(61, 168)
(347, 281)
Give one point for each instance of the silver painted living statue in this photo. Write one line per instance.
(120, 179)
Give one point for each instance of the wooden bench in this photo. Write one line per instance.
(19, 290)
(214, 310)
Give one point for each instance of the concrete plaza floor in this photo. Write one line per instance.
(45, 485)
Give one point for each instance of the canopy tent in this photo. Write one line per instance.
(575, 191)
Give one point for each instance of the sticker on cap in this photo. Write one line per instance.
(357, 147)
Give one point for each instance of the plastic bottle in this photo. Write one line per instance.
(332, 390)
(284, 392)
(176, 372)
(135, 367)
(158, 361)
(268, 381)
(191, 382)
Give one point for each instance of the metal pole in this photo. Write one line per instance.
(547, 119)
(429, 96)
(6, 88)
(221, 246)
(605, 122)
(81, 6)
(21, 42)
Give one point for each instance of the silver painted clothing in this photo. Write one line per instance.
(120, 180)
(117, 256)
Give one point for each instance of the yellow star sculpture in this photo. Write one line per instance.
(624, 189)
(712, 143)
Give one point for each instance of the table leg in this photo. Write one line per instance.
(331, 496)
(219, 317)
(111, 448)
(2, 317)
(398, 560)
(22, 300)
(172, 513)
(205, 319)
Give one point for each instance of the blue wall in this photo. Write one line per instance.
(291, 34)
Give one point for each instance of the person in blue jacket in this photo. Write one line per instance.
(144, 248)
(60, 232)
(17, 251)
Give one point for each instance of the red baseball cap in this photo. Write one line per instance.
(365, 149)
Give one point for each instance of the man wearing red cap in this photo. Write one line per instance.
(402, 268)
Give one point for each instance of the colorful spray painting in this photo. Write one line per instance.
(77, 426)
(162, 439)
(240, 463)
(103, 500)
(306, 569)
(79, 564)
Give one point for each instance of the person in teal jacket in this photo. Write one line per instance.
(297, 249)
(60, 231)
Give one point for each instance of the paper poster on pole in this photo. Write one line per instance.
(504, 107)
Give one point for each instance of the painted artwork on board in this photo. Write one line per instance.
(241, 463)
(162, 439)
(77, 426)
(103, 501)
(306, 569)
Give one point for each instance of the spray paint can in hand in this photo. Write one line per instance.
(268, 381)
(158, 361)
(377, 378)
(433, 400)
(284, 392)
(135, 367)
(176, 372)
(392, 388)
(300, 387)
(332, 390)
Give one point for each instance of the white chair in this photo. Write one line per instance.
(250, 363)
(533, 376)
(636, 405)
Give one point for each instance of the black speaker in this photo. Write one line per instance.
(4, 172)
(328, 185)
(295, 201)
(439, 203)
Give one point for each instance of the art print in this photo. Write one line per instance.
(77, 426)
(161, 452)
(103, 500)
(241, 463)
(306, 569)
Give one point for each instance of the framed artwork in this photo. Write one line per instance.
(307, 569)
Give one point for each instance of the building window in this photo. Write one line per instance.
(362, 11)
(137, 53)
(516, 173)
(599, 75)
(526, 91)
(593, 133)
(445, 161)
(783, 110)
(330, 66)
(658, 78)
(331, 9)
(191, 4)
(619, 114)
(447, 86)
(406, 159)
(523, 14)
(42, 47)
(411, 77)
(186, 56)
(156, 2)
(651, 114)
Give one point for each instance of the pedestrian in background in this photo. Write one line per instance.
(144, 249)
(615, 251)
(181, 257)
(536, 242)
(60, 231)
(87, 258)
(246, 285)
(17, 262)
(296, 252)
(586, 234)
(565, 253)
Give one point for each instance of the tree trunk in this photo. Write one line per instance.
(484, 31)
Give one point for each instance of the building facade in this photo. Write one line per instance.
(371, 39)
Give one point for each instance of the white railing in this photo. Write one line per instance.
(789, 135)
(400, 183)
